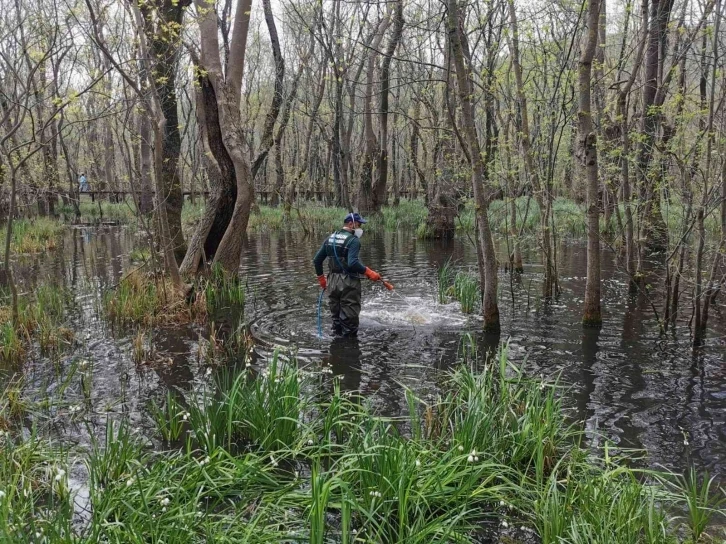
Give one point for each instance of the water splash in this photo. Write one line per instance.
(386, 309)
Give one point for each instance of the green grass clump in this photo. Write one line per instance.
(147, 300)
(123, 212)
(409, 214)
(444, 281)
(463, 286)
(33, 235)
(42, 316)
(13, 341)
(35, 501)
(466, 291)
(224, 293)
(305, 217)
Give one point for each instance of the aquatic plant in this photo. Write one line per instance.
(41, 317)
(409, 214)
(141, 348)
(170, 418)
(306, 217)
(224, 292)
(148, 300)
(261, 412)
(444, 282)
(34, 235)
(696, 492)
(269, 459)
(12, 343)
(466, 291)
(92, 212)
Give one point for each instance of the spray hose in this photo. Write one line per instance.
(320, 317)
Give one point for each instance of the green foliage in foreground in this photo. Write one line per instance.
(262, 459)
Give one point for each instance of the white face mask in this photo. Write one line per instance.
(358, 232)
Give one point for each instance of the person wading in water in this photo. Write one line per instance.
(343, 281)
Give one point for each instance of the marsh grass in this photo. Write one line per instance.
(701, 501)
(34, 235)
(305, 217)
(466, 291)
(147, 300)
(224, 293)
(122, 212)
(461, 285)
(142, 348)
(266, 457)
(444, 280)
(42, 316)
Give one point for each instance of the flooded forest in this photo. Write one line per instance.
(363, 271)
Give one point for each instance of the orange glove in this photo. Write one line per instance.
(372, 275)
(323, 282)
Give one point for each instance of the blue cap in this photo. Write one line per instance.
(354, 217)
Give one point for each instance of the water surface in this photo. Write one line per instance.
(633, 386)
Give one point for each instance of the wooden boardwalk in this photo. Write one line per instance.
(262, 196)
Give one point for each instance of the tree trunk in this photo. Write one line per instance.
(379, 190)
(146, 199)
(487, 268)
(654, 230)
(372, 144)
(530, 169)
(587, 154)
(267, 132)
(228, 95)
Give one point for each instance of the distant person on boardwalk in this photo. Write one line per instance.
(82, 183)
(341, 249)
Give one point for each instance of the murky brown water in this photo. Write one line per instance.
(631, 385)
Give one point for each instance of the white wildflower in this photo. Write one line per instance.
(310, 441)
(505, 524)
(470, 459)
(461, 448)
(502, 503)
(418, 463)
(59, 475)
(2, 494)
(165, 501)
(129, 482)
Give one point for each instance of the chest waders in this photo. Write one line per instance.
(344, 293)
